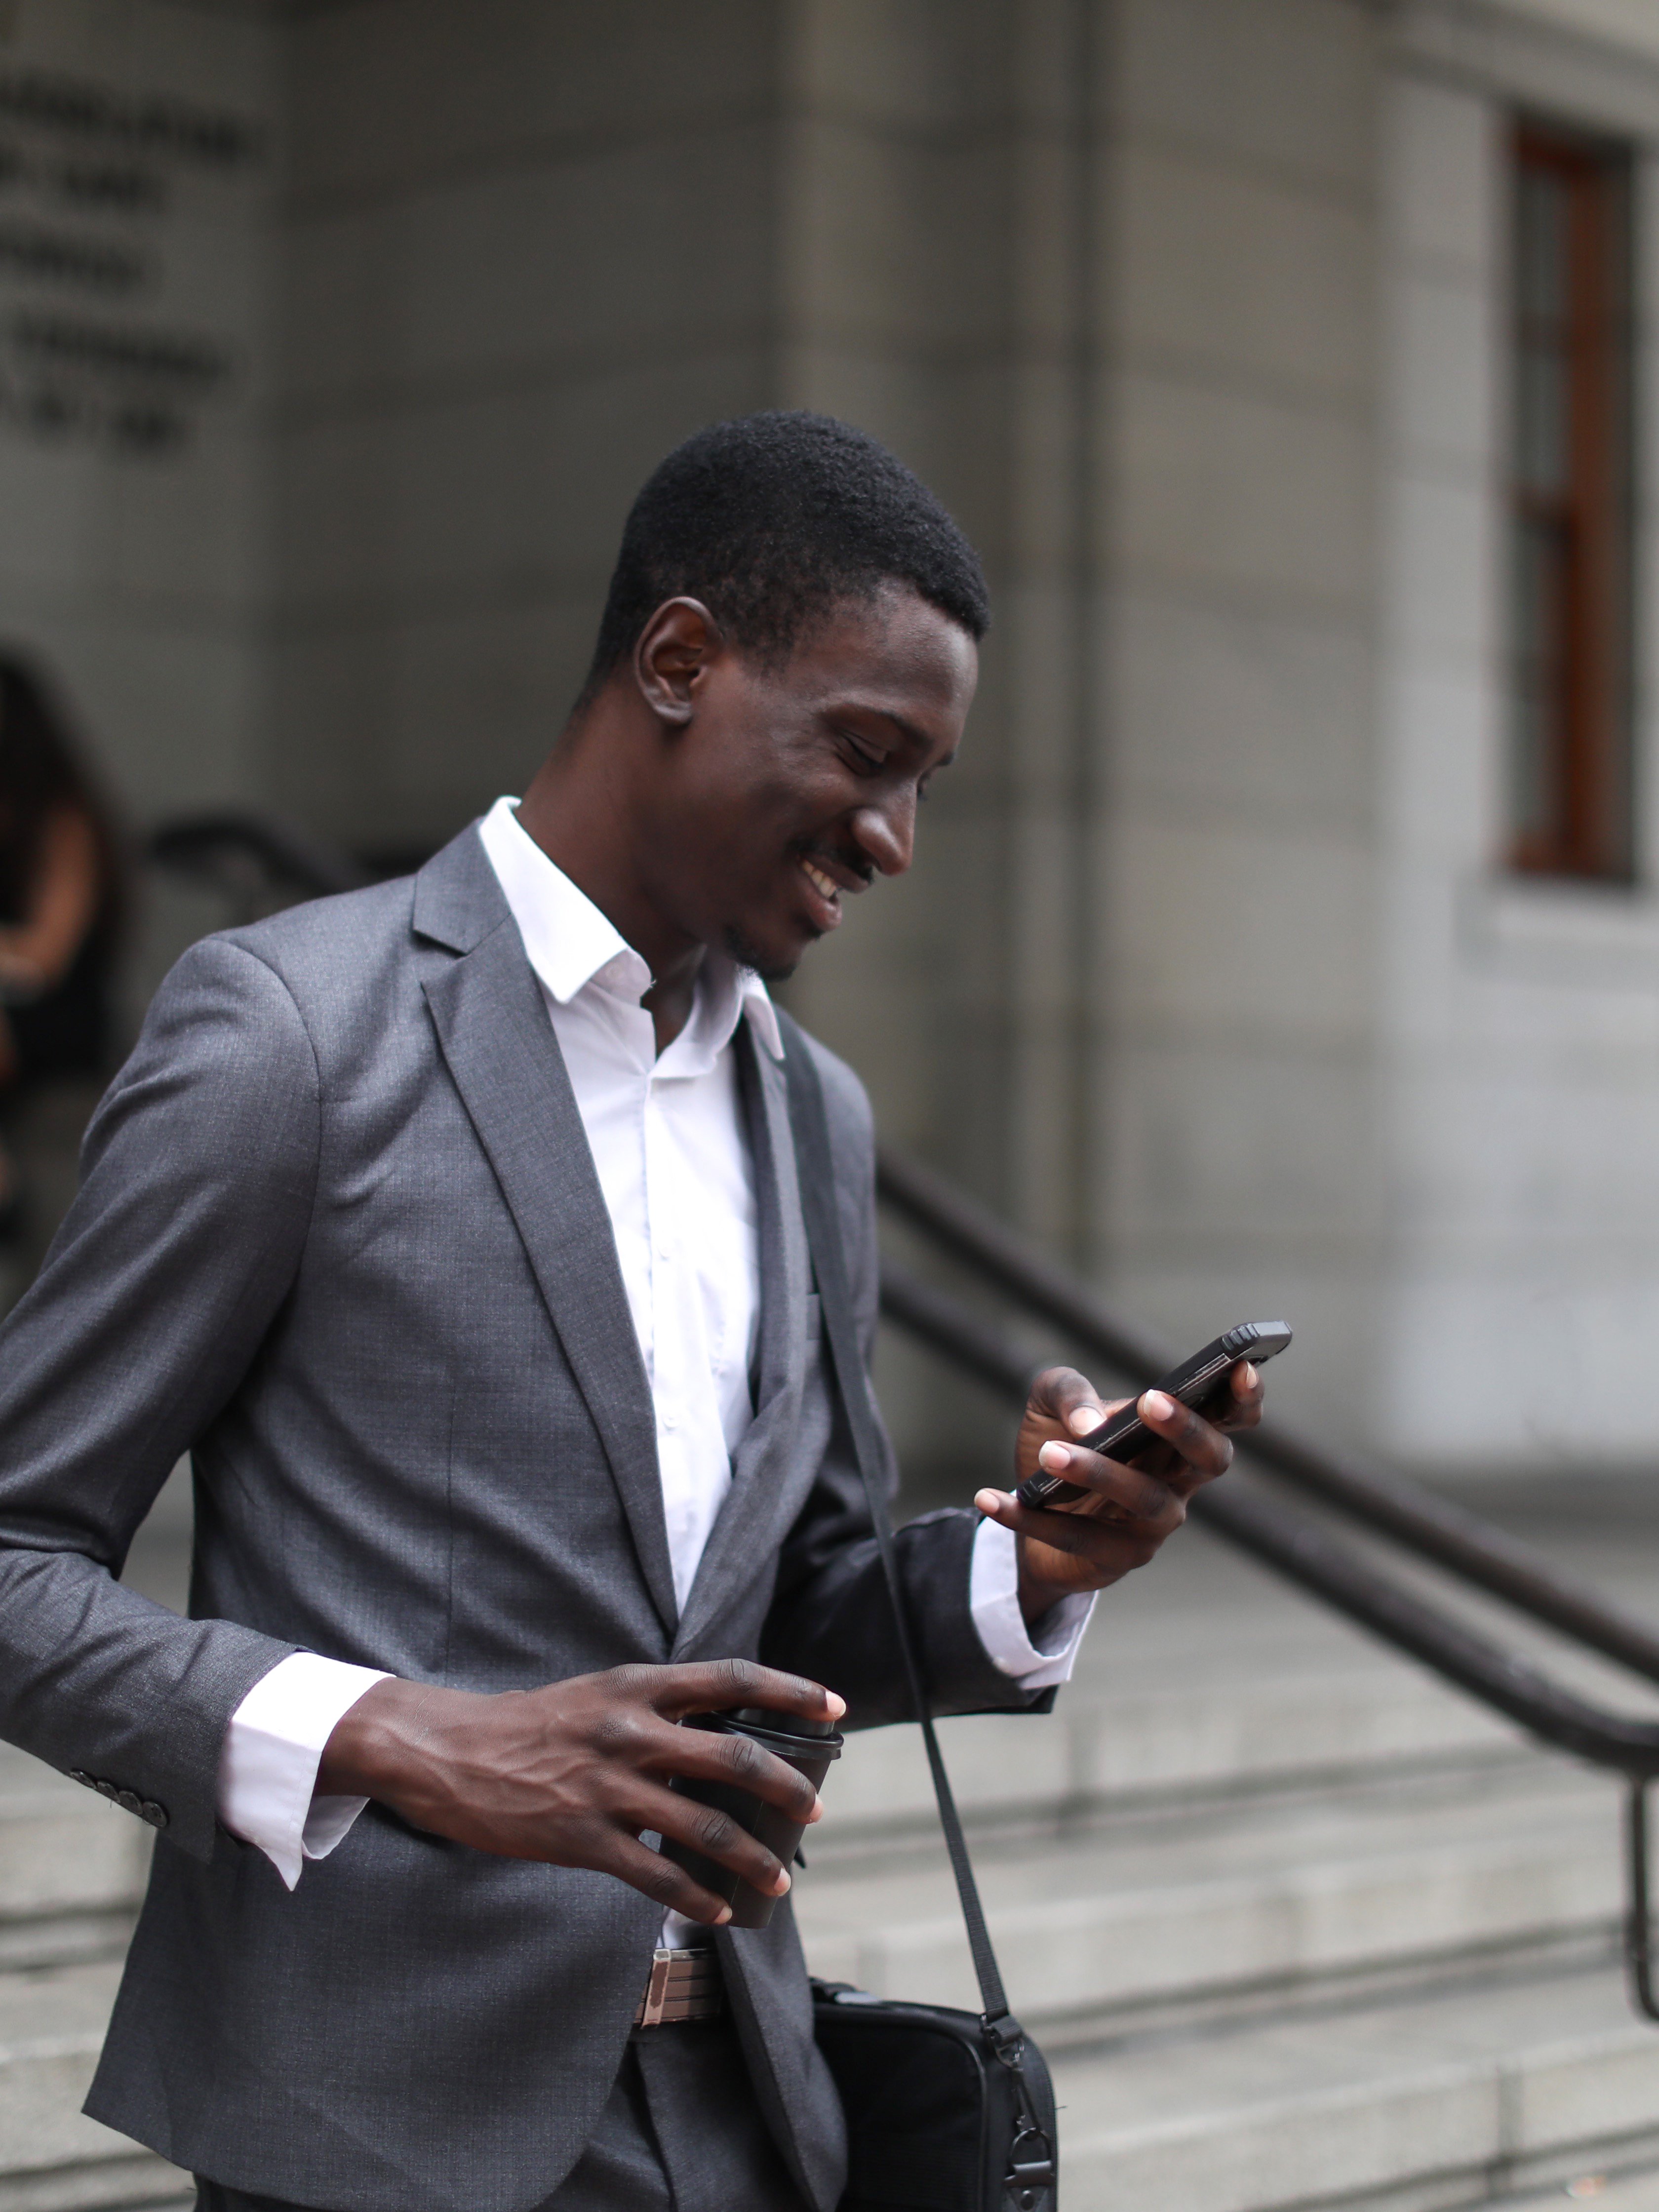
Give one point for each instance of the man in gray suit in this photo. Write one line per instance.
(452, 1228)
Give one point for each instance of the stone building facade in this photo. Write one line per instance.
(334, 337)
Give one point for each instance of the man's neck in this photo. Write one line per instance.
(669, 1003)
(574, 810)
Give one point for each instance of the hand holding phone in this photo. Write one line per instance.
(1201, 1383)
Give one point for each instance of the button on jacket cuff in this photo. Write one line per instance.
(993, 1600)
(129, 1800)
(272, 1748)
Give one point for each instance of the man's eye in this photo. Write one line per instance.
(865, 759)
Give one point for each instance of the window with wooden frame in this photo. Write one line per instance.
(1570, 508)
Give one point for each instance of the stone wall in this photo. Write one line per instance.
(1186, 307)
(1520, 1066)
(1234, 1166)
(527, 247)
(137, 158)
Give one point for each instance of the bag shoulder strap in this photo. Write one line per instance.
(816, 1169)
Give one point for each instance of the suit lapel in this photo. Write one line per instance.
(761, 1502)
(505, 1063)
(784, 1266)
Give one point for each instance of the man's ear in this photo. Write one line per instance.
(675, 646)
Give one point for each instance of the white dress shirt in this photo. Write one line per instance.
(673, 1164)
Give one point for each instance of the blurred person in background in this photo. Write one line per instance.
(60, 900)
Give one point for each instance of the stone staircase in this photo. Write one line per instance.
(71, 1871)
(1297, 1927)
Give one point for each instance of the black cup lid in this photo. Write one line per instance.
(763, 1717)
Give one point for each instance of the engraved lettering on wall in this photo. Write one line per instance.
(90, 178)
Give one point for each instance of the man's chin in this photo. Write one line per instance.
(767, 966)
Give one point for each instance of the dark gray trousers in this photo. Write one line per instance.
(681, 2133)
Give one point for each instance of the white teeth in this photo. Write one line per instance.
(827, 885)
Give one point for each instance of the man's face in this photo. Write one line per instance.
(792, 787)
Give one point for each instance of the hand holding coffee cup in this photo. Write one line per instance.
(807, 1745)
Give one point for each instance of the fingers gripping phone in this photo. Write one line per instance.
(1201, 1383)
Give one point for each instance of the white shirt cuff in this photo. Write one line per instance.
(272, 1748)
(993, 1600)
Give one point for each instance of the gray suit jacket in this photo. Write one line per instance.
(340, 1237)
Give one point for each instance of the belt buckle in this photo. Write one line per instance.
(682, 1985)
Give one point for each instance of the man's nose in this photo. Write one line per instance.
(886, 833)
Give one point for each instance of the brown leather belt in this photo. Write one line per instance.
(683, 1986)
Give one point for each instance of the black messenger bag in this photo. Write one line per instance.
(946, 2111)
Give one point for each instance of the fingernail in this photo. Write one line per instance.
(1157, 1404)
(1250, 1377)
(837, 1704)
(816, 1813)
(722, 1915)
(781, 1885)
(987, 1500)
(1084, 1418)
(1054, 1457)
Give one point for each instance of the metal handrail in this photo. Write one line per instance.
(1300, 1549)
(1304, 1553)
(1474, 1549)
(219, 848)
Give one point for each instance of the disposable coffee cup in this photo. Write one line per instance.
(808, 1746)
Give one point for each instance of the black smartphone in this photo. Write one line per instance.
(1199, 1382)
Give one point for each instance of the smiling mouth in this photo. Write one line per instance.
(827, 882)
(826, 885)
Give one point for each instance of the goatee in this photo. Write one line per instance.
(743, 953)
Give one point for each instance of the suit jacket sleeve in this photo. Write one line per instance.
(198, 1174)
(831, 1619)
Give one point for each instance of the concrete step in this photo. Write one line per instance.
(1263, 1899)
(1287, 1727)
(1240, 1808)
(52, 2158)
(1168, 1731)
(1407, 2108)
(1470, 2099)
(72, 1867)
(1607, 2191)
(1203, 1677)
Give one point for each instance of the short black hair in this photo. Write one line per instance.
(769, 520)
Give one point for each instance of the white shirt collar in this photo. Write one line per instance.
(570, 943)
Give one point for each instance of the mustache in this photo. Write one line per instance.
(805, 849)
